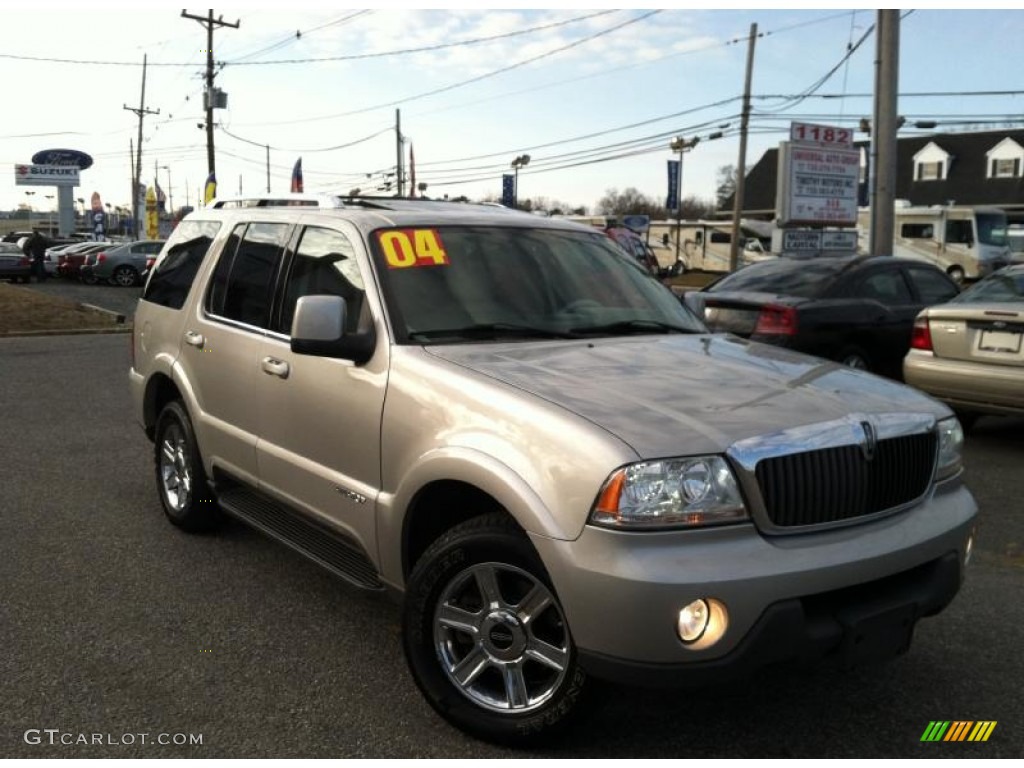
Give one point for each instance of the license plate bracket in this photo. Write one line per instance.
(878, 636)
(999, 341)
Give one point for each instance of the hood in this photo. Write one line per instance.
(678, 395)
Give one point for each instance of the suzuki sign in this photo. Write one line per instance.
(46, 175)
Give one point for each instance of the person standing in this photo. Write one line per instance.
(36, 249)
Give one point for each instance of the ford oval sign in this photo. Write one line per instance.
(62, 157)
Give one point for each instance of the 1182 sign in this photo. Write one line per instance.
(820, 134)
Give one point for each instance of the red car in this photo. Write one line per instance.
(71, 261)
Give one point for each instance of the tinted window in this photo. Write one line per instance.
(806, 278)
(885, 286)
(720, 237)
(173, 274)
(324, 264)
(923, 231)
(250, 283)
(932, 287)
(959, 231)
(219, 279)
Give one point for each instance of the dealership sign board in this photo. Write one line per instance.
(818, 178)
(46, 175)
(63, 157)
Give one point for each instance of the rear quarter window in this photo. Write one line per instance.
(174, 273)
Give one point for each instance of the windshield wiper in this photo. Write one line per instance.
(488, 331)
(633, 326)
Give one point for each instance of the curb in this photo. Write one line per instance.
(118, 317)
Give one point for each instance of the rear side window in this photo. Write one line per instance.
(933, 287)
(886, 286)
(173, 275)
(243, 283)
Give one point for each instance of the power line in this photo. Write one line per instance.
(425, 48)
(298, 36)
(477, 79)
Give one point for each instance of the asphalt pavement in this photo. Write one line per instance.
(119, 631)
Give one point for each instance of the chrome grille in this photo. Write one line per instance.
(833, 484)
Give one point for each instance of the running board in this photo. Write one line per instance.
(333, 550)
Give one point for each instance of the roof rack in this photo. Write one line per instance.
(277, 201)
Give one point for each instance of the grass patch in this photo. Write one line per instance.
(26, 311)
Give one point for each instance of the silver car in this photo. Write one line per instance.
(507, 423)
(969, 353)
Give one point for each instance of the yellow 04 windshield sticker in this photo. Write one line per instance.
(412, 248)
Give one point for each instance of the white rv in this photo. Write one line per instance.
(703, 245)
(967, 242)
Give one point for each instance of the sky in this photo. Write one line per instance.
(594, 96)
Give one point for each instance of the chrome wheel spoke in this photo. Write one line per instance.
(169, 454)
(453, 617)
(547, 654)
(487, 583)
(470, 668)
(534, 604)
(515, 686)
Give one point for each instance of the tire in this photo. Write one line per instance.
(852, 357)
(508, 695)
(89, 279)
(957, 275)
(181, 482)
(677, 269)
(125, 276)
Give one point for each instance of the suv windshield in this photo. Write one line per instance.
(462, 284)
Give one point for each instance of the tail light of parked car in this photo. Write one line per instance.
(101, 257)
(776, 320)
(25, 261)
(921, 338)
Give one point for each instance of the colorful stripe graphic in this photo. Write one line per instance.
(959, 730)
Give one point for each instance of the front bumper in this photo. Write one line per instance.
(787, 597)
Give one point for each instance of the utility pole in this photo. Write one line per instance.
(141, 112)
(209, 22)
(268, 169)
(883, 136)
(398, 143)
(741, 172)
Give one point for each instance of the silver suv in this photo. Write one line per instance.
(505, 422)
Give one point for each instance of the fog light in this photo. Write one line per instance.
(693, 620)
(702, 623)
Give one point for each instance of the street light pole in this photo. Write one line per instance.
(170, 195)
(518, 163)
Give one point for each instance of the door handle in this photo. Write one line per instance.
(195, 339)
(275, 367)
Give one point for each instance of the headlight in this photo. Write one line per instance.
(951, 448)
(670, 493)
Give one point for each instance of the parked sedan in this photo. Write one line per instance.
(14, 264)
(857, 311)
(122, 265)
(70, 262)
(968, 351)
